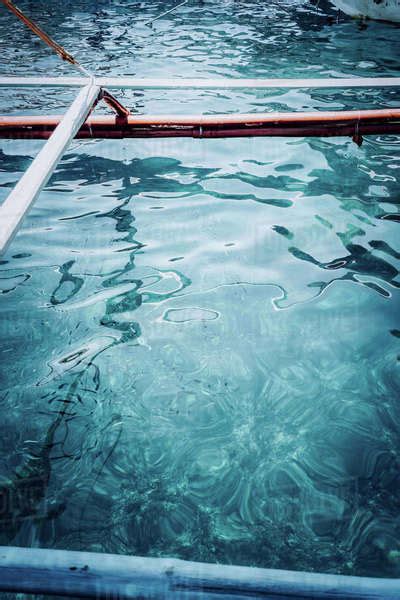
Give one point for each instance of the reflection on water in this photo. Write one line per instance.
(200, 339)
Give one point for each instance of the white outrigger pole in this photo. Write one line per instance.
(105, 576)
(222, 83)
(17, 204)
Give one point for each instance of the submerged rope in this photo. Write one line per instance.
(165, 13)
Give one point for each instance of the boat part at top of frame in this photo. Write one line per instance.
(381, 10)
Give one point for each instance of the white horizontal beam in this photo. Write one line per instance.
(18, 202)
(28, 82)
(202, 84)
(104, 576)
(125, 82)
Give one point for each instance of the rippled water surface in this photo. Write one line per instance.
(200, 339)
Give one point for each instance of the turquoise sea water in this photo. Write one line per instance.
(200, 339)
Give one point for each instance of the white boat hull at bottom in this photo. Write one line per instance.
(383, 10)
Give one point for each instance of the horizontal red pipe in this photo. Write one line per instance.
(228, 125)
(250, 118)
(212, 132)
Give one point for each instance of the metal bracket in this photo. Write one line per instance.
(357, 137)
(111, 101)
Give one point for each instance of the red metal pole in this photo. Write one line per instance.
(352, 123)
(223, 119)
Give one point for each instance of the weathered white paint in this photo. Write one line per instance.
(104, 576)
(18, 202)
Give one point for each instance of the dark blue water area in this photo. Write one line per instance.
(200, 340)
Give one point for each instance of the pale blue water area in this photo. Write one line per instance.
(217, 321)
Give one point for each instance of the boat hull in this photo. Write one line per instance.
(383, 10)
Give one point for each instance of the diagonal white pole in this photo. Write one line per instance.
(19, 201)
